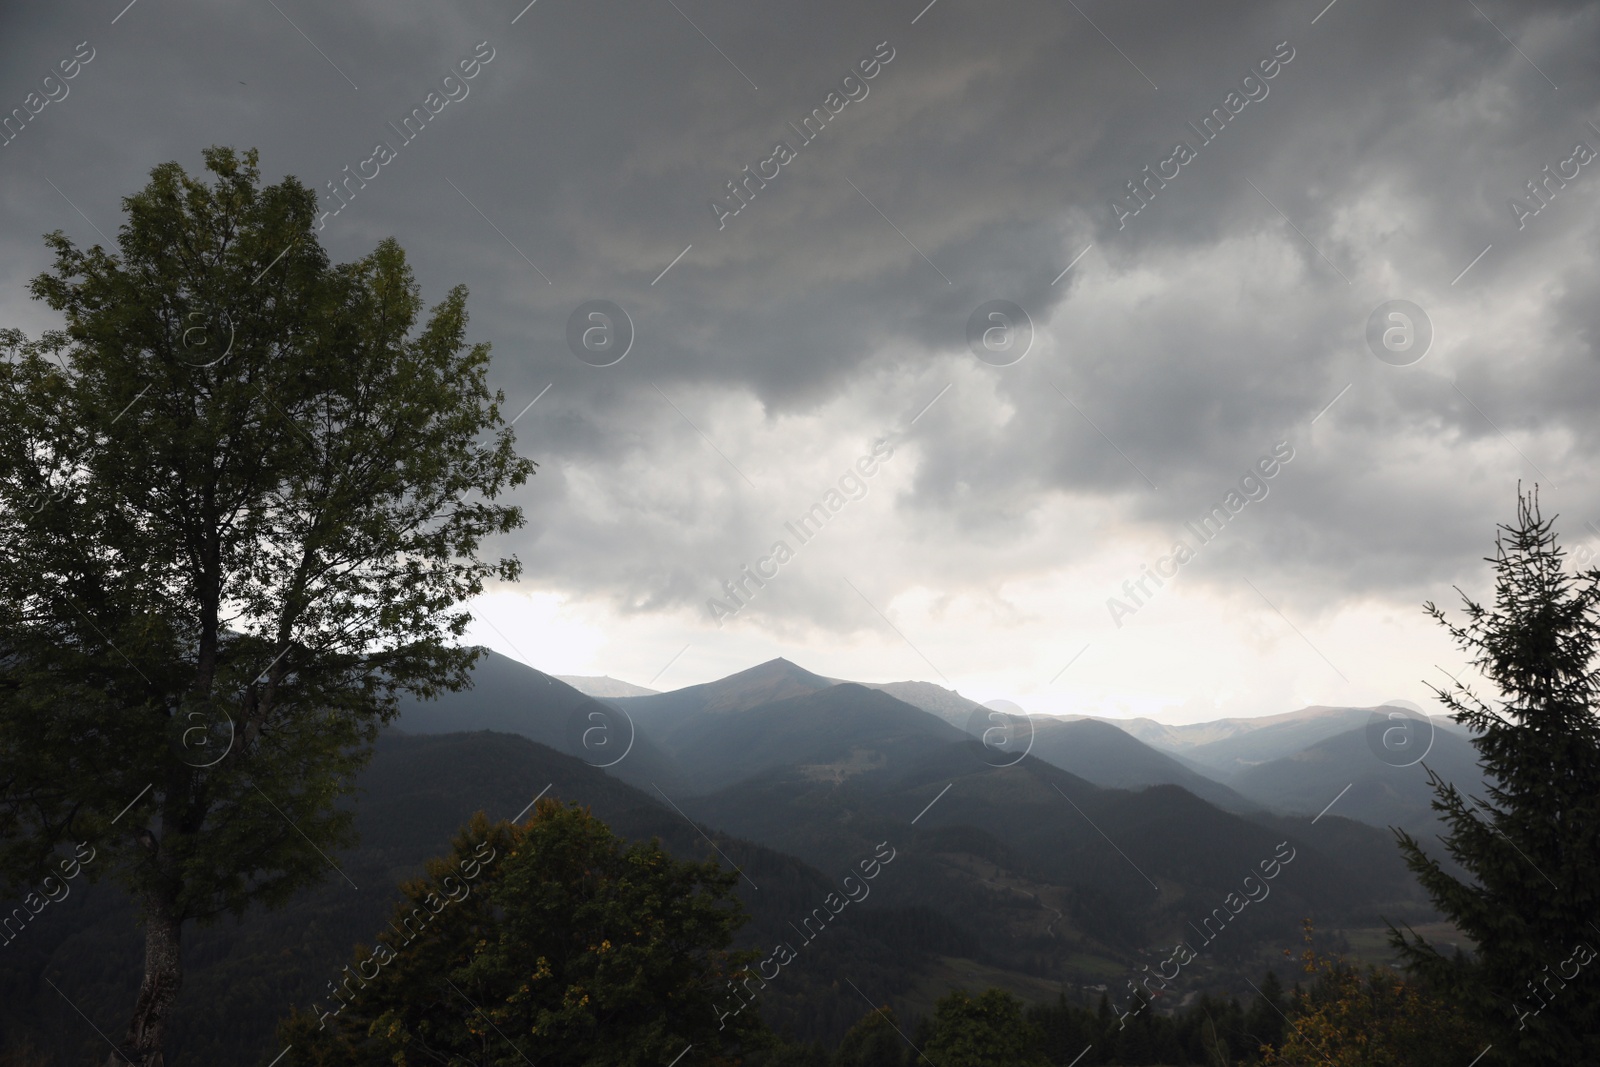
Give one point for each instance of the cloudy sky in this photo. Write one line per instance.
(1023, 468)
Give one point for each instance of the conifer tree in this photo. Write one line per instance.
(1265, 1021)
(1531, 847)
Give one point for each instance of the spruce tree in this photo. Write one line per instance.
(1532, 898)
(1264, 1023)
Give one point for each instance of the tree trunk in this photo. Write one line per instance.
(163, 975)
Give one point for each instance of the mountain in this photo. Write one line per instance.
(829, 734)
(1298, 762)
(1227, 746)
(1102, 753)
(513, 698)
(846, 729)
(1098, 750)
(415, 794)
(947, 704)
(1167, 737)
(1059, 877)
(1378, 794)
(1032, 872)
(778, 719)
(776, 679)
(604, 686)
(1045, 864)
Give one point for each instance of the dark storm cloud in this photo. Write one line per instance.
(986, 155)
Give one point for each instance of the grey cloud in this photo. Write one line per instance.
(995, 141)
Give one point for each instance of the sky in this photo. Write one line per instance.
(1036, 287)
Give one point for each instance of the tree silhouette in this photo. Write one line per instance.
(242, 495)
(1532, 846)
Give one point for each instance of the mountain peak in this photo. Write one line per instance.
(773, 680)
(776, 679)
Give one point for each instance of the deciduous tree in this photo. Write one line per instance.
(551, 943)
(987, 1030)
(874, 1041)
(242, 497)
(1370, 1017)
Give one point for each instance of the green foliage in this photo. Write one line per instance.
(784, 1054)
(1207, 1031)
(1267, 1020)
(988, 1030)
(1532, 847)
(875, 1041)
(242, 495)
(1370, 1017)
(412, 795)
(548, 942)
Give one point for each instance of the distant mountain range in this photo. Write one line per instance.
(1058, 864)
(1304, 761)
(1295, 729)
(513, 698)
(1340, 771)
(1293, 763)
(784, 756)
(1104, 754)
(1228, 746)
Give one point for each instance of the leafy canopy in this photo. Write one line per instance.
(242, 496)
(987, 1030)
(551, 942)
(1371, 1017)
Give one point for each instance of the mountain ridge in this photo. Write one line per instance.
(603, 685)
